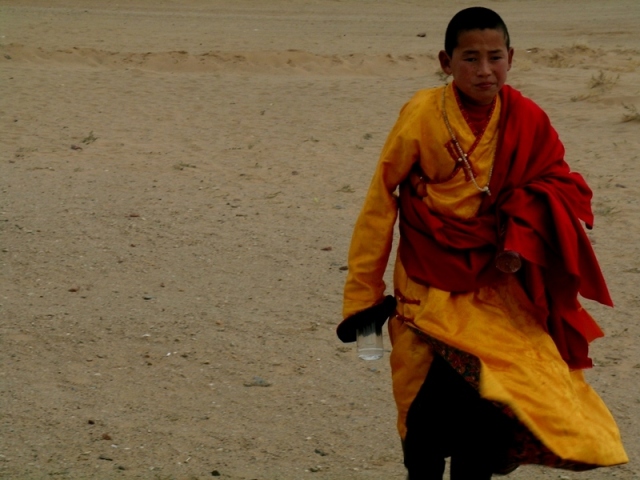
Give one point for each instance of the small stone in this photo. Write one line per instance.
(257, 382)
(215, 473)
(147, 297)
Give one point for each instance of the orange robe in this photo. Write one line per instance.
(495, 327)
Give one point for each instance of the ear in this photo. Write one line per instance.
(445, 62)
(510, 58)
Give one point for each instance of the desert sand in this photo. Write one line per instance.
(179, 181)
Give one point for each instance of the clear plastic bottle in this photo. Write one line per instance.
(369, 340)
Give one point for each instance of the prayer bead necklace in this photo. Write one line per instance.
(462, 158)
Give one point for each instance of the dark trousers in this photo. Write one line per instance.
(448, 418)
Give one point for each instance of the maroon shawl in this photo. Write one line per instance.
(535, 209)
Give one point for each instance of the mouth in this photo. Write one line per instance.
(484, 86)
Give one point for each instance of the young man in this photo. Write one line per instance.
(489, 340)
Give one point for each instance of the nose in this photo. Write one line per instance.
(483, 68)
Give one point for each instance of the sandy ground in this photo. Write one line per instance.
(179, 181)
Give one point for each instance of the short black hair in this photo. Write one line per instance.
(473, 18)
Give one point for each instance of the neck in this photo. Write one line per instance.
(477, 116)
(469, 104)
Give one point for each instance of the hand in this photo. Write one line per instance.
(508, 261)
(418, 183)
(378, 313)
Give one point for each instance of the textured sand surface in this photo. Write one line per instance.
(178, 185)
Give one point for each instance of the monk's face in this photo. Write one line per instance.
(479, 64)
